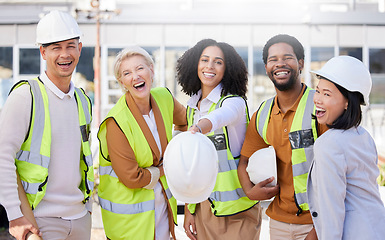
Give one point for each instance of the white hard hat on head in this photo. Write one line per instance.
(348, 72)
(191, 167)
(56, 26)
(263, 165)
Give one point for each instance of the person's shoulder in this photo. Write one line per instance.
(233, 99)
(336, 138)
(22, 90)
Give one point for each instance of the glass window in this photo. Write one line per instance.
(377, 60)
(319, 56)
(6, 81)
(378, 88)
(242, 51)
(112, 53)
(172, 56)
(84, 75)
(351, 51)
(262, 85)
(29, 61)
(377, 69)
(85, 65)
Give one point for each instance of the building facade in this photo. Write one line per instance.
(166, 29)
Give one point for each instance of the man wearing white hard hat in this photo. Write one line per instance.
(45, 130)
(284, 122)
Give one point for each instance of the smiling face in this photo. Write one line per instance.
(329, 102)
(62, 58)
(211, 67)
(136, 76)
(282, 66)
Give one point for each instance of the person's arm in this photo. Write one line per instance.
(14, 125)
(180, 117)
(329, 172)
(26, 226)
(312, 235)
(189, 224)
(123, 160)
(258, 191)
(253, 142)
(232, 110)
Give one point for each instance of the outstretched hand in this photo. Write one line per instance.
(262, 192)
(20, 227)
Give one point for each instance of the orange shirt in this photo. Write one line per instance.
(283, 207)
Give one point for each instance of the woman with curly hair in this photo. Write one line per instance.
(215, 77)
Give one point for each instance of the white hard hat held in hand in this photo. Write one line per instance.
(263, 165)
(56, 26)
(348, 72)
(191, 167)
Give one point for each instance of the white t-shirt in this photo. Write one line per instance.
(162, 231)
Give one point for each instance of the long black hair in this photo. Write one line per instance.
(234, 79)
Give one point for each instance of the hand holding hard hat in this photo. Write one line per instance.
(262, 165)
(191, 166)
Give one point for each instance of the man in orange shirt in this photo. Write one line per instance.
(291, 130)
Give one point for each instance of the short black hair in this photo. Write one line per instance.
(47, 44)
(284, 38)
(234, 79)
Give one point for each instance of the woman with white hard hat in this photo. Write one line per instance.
(133, 193)
(215, 77)
(344, 199)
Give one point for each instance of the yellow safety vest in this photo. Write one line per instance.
(302, 135)
(130, 213)
(33, 158)
(228, 197)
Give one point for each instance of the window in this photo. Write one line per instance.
(319, 56)
(84, 77)
(29, 61)
(377, 69)
(85, 65)
(352, 51)
(6, 73)
(263, 88)
(172, 56)
(242, 51)
(377, 61)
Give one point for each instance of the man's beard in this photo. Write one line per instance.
(287, 85)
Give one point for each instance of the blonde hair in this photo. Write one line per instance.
(127, 53)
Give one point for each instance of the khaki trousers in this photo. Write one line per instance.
(54, 228)
(244, 226)
(286, 231)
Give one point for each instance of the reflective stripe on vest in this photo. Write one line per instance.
(124, 209)
(107, 170)
(302, 135)
(33, 158)
(228, 197)
(86, 166)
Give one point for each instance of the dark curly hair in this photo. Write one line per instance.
(234, 79)
(284, 38)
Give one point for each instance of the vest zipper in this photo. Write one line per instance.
(299, 208)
